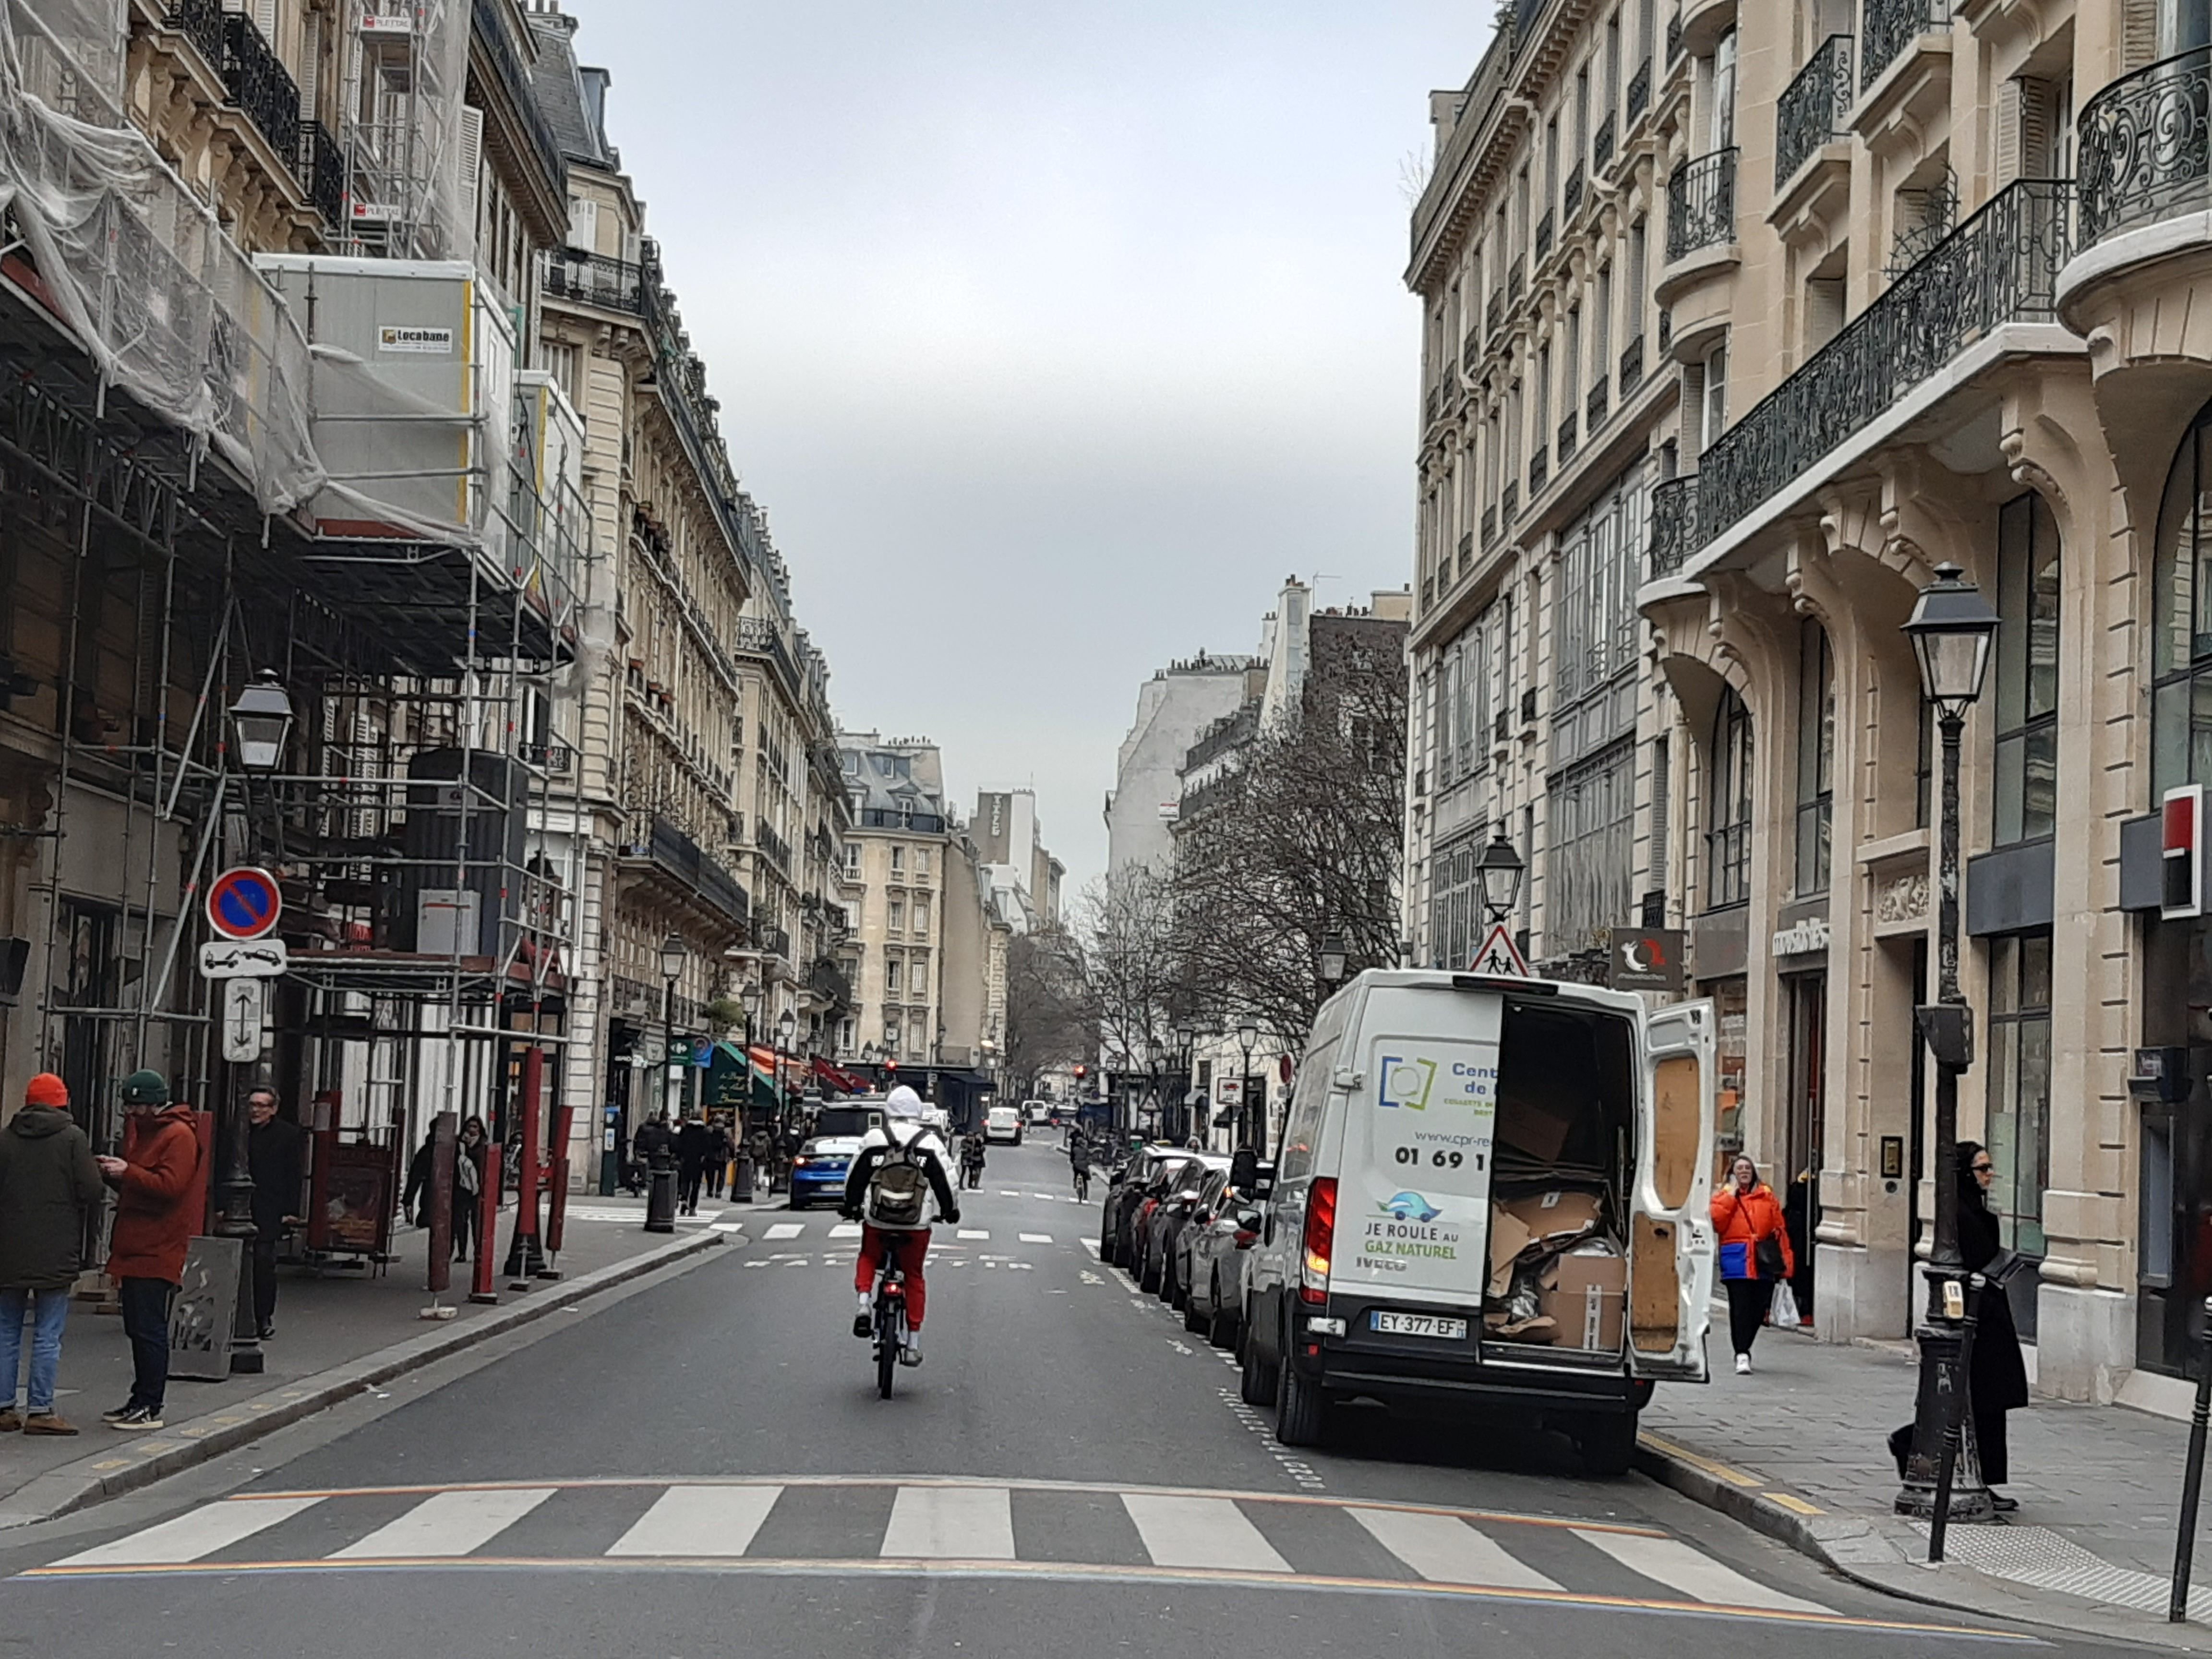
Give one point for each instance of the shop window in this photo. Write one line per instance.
(2181, 643)
(2019, 1087)
(1816, 757)
(1728, 841)
(2026, 788)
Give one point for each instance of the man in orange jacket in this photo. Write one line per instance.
(157, 1188)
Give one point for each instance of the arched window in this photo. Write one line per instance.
(2027, 790)
(1728, 836)
(2181, 631)
(1816, 756)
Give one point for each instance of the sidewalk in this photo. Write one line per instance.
(335, 1335)
(1798, 1450)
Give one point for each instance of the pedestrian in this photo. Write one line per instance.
(691, 1142)
(1755, 1251)
(1998, 1380)
(718, 1157)
(274, 1160)
(468, 1183)
(157, 1181)
(48, 1181)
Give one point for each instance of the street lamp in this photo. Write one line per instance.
(1499, 870)
(1255, 1134)
(674, 954)
(1950, 629)
(784, 1023)
(261, 719)
(1332, 958)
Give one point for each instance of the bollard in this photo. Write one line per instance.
(741, 1178)
(660, 1195)
(1954, 1418)
(2192, 1481)
(480, 1288)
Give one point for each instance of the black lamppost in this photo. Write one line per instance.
(674, 955)
(1950, 629)
(785, 1022)
(1499, 870)
(1255, 1122)
(1332, 962)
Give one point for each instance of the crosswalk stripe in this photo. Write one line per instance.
(1698, 1576)
(973, 1232)
(1036, 1238)
(1199, 1532)
(846, 1229)
(700, 1521)
(784, 1230)
(1005, 1193)
(1445, 1550)
(190, 1536)
(451, 1523)
(967, 1523)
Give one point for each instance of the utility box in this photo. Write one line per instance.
(411, 402)
(445, 898)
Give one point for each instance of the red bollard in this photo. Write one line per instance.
(487, 1228)
(557, 1206)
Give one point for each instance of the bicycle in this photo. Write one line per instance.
(890, 1325)
(1083, 1182)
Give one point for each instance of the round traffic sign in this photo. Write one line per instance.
(244, 902)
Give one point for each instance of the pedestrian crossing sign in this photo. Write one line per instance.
(1499, 955)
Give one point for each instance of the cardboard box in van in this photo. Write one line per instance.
(1585, 1294)
(1554, 1217)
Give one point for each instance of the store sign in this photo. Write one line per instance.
(1229, 1091)
(1808, 938)
(1647, 959)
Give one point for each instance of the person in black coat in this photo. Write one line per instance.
(1999, 1380)
(691, 1142)
(719, 1148)
(274, 1158)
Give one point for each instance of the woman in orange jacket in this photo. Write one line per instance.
(1747, 1216)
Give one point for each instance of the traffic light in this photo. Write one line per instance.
(1081, 1072)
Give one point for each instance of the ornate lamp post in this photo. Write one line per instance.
(1950, 629)
(675, 954)
(1499, 870)
(1255, 1123)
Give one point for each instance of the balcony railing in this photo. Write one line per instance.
(920, 823)
(757, 637)
(1544, 237)
(1631, 366)
(1701, 203)
(2000, 266)
(1599, 406)
(490, 30)
(1431, 403)
(1493, 316)
(1666, 331)
(1470, 351)
(1570, 200)
(1674, 37)
(260, 85)
(777, 849)
(1508, 501)
(1516, 283)
(1601, 145)
(592, 279)
(1639, 91)
(1539, 472)
(1490, 524)
(1673, 524)
(1813, 108)
(1569, 438)
(1466, 550)
(322, 169)
(2146, 146)
(200, 22)
(1891, 26)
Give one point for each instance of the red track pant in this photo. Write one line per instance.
(907, 1249)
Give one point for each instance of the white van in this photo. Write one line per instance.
(1003, 1123)
(1489, 1192)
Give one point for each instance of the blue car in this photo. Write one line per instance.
(817, 1175)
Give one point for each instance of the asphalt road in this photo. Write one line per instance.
(703, 1466)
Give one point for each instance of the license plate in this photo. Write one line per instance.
(1398, 1324)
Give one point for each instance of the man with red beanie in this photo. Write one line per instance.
(157, 1188)
(48, 1179)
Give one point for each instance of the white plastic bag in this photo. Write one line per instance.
(1782, 1312)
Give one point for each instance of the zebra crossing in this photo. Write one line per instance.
(943, 1524)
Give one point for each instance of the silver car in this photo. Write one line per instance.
(1215, 1247)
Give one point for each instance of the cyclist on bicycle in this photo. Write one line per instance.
(1078, 1155)
(899, 1166)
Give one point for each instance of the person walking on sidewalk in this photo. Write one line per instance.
(718, 1157)
(1998, 1382)
(690, 1164)
(1755, 1252)
(273, 1160)
(158, 1193)
(48, 1180)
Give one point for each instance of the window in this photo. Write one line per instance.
(2026, 788)
(921, 861)
(898, 859)
(1596, 620)
(1601, 328)
(2181, 646)
(1593, 808)
(893, 973)
(1816, 756)
(1724, 121)
(1456, 921)
(2019, 1087)
(921, 915)
(2183, 25)
(894, 918)
(1728, 834)
(1638, 252)
(852, 857)
(846, 1030)
(1714, 403)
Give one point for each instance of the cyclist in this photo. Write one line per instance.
(899, 1166)
(1078, 1155)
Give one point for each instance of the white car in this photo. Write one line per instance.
(1003, 1124)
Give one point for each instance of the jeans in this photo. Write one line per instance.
(51, 1311)
(146, 1322)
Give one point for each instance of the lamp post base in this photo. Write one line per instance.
(1939, 1341)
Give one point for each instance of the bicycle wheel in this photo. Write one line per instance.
(886, 1355)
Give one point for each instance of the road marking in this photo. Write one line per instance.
(972, 1232)
(1201, 1532)
(451, 1523)
(1090, 1278)
(700, 1521)
(728, 1227)
(1445, 1549)
(1092, 1245)
(188, 1537)
(784, 1230)
(1798, 1504)
(846, 1229)
(1008, 1193)
(1047, 1197)
(1733, 1476)
(1035, 1238)
(1679, 1567)
(960, 1523)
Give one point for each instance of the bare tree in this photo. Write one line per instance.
(1137, 973)
(1051, 1018)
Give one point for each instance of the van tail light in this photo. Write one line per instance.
(1319, 1239)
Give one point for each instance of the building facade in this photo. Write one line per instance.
(893, 890)
(1913, 284)
(1173, 707)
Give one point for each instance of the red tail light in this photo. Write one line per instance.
(1320, 1238)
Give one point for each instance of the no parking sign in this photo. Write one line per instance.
(244, 902)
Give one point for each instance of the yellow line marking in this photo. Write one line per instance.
(1798, 1504)
(1733, 1476)
(880, 1567)
(1105, 1487)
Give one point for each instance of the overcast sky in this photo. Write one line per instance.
(1051, 334)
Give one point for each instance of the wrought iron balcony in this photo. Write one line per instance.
(1674, 37)
(1470, 351)
(2000, 266)
(1544, 237)
(1631, 366)
(1539, 472)
(1891, 26)
(1598, 407)
(1466, 551)
(1570, 200)
(260, 85)
(1673, 524)
(1508, 501)
(1813, 108)
(1493, 318)
(592, 279)
(489, 29)
(1431, 403)
(200, 22)
(1601, 145)
(2146, 146)
(1490, 524)
(1701, 203)
(1666, 331)
(322, 169)
(1516, 283)
(1570, 435)
(1639, 91)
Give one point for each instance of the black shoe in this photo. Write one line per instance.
(2003, 1504)
(268, 1330)
(863, 1325)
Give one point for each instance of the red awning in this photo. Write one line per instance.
(843, 1082)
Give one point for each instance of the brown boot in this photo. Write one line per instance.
(9, 1421)
(47, 1422)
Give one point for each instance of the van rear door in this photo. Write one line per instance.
(1670, 1256)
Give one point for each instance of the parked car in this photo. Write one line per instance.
(1176, 1176)
(1125, 1191)
(1003, 1124)
(1215, 1248)
(1202, 1176)
(819, 1172)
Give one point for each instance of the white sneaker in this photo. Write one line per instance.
(1743, 1364)
(911, 1349)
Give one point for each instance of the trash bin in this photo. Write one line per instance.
(741, 1178)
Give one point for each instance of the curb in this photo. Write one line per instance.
(1858, 1548)
(84, 1482)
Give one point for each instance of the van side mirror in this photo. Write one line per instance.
(1263, 1180)
(1244, 1167)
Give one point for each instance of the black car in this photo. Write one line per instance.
(1124, 1194)
(1168, 1214)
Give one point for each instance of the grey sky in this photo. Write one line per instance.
(1051, 335)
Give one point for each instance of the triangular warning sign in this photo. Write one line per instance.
(1499, 954)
